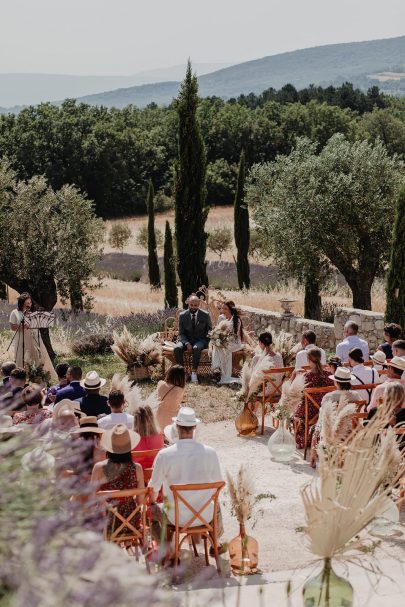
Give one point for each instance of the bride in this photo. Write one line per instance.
(222, 355)
(28, 345)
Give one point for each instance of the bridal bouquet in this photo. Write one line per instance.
(219, 335)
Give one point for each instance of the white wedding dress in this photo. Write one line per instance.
(222, 357)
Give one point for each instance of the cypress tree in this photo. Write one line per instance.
(153, 264)
(170, 270)
(241, 228)
(395, 309)
(190, 191)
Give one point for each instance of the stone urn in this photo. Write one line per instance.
(287, 304)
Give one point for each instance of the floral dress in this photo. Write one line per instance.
(312, 380)
(31, 417)
(120, 477)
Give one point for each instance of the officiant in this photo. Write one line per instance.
(29, 348)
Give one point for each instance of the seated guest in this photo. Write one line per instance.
(151, 438)
(32, 397)
(308, 341)
(393, 400)
(352, 340)
(315, 377)
(61, 371)
(16, 384)
(6, 369)
(398, 349)
(362, 374)
(73, 390)
(116, 402)
(392, 332)
(333, 363)
(395, 372)
(342, 380)
(118, 471)
(93, 403)
(185, 462)
(170, 393)
(379, 361)
(90, 433)
(267, 350)
(65, 417)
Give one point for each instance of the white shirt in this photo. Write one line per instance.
(301, 359)
(352, 341)
(378, 392)
(365, 375)
(186, 462)
(109, 421)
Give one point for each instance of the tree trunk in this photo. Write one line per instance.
(312, 300)
(361, 292)
(3, 290)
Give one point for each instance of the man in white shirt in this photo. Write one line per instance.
(308, 341)
(362, 374)
(398, 349)
(185, 462)
(395, 370)
(116, 402)
(351, 341)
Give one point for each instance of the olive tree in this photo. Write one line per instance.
(329, 208)
(119, 236)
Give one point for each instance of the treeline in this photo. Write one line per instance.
(112, 154)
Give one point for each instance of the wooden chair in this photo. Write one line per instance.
(132, 537)
(197, 524)
(309, 399)
(138, 456)
(266, 401)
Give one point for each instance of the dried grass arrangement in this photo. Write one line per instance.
(241, 492)
(337, 424)
(133, 394)
(137, 352)
(291, 395)
(252, 377)
(284, 344)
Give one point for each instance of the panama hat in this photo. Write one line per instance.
(88, 423)
(342, 374)
(119, 439)
(66, 405)
(186, 417)
(379, 357)
(93, 381)
(397, 362)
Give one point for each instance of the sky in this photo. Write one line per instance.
(122, 37)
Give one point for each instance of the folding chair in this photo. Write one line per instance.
(266, 401)
(114, 532)
(197, 524)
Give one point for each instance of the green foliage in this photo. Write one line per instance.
(328, 208)
(170, 270)
(219, 240)
(384, 125)
(142, 238)
(395, 311)
(258, 248)
(153, 263)
(220, 182)
(119, 236)
(50, 239)
(190, 191)
(241, 228)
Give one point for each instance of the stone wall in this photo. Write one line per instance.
(371, 325)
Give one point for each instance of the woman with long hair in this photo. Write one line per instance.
(151, 438)
(170, 392)
(231, 327)
(315, 377)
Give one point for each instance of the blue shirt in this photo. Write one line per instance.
(73, 391)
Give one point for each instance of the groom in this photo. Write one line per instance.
(194, 326)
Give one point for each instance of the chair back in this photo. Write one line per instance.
(139, 456)
(284, 372)
(197, 517)
(114, 532)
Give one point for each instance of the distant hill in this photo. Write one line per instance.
(320, 65)
(30, 89)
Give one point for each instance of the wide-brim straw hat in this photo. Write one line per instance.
(93, 381)
(397, 362)
(186, 417)
(65, 405)
(119, 439)
(342, 375)
(379, 357)
(88, 423)
(171, 434)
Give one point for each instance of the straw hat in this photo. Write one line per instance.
(342, 374)
(93, 381)
(379, 357)
(171, 434)
(65, 405)
(397, 362)
(88, 423)
(119, 439)
(186, 417)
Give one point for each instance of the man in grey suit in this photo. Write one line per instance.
(194, 326)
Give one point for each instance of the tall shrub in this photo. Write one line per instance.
(241, 228)
(170, 270)
(153, 264)
(395, 310)
(190, 191)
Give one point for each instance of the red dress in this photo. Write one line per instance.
(154, 441)
(120, 477)
(312, 380)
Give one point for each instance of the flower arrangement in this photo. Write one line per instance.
(284, 344)
(291, 396)
(137, 352)
(37, 375)
(219, 335)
